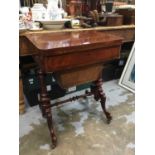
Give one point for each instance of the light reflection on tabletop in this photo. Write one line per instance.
(68, 39)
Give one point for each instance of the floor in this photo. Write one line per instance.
(81, 126)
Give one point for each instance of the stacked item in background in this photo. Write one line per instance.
(128, 13)
(59, 14)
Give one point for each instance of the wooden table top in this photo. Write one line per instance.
(62, 40)
(26, 48)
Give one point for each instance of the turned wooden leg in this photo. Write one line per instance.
(45, 108)
(99, 95)
(42, 98)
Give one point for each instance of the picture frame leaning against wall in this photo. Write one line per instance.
(127, 79)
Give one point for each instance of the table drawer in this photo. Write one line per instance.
(79, 75)
(82, 58)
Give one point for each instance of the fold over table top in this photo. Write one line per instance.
(61, 40)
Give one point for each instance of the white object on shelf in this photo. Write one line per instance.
(39, 12)
(24, 10)
(53, 11)
(36, 29)
(53, 24)
(125, 7)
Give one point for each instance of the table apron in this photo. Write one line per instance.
(72, 60)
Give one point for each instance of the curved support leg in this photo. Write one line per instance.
(100, 95)
(45, 108)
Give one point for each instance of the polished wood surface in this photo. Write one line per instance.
(127, 32)
(71, 40)
(44, 107)
(67, 50)
(69, 55)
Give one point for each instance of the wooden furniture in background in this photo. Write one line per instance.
(68, 54)
(128, 15)
(114, 20)
(21, 96)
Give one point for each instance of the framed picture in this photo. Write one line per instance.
(127, 79)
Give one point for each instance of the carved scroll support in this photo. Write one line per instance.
(97, 90)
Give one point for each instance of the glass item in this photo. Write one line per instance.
(109, 6)
(55, 10)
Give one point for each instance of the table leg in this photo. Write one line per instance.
(100, 95)
(45, 108)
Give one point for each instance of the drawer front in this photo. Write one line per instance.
(82, 58)
(78, 76)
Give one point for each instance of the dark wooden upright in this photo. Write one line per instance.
(74, 58)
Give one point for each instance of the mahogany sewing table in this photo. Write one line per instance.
(73, 58)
